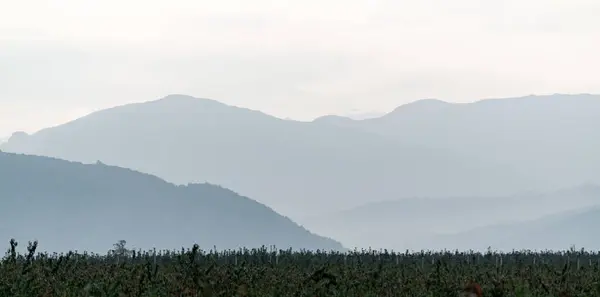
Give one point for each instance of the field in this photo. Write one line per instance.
(266, 272)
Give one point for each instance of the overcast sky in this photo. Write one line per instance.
(61, 59)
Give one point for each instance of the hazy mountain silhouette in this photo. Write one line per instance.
(552, 139)
(349, 117)
(298, 168)
(416, 221)
(560, 231)
(335, 119)
(364, 115)
(69, 205)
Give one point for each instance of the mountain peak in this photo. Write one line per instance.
(18, 136)
(182, 97)
(179, 103)
(181, 100)
(422, 105)
(332, 118)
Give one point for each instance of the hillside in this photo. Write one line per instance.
(415, 221)
(552, 139)
(553, 232)
(67, 205)
(298, 168)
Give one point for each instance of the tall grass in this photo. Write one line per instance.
(268, 272)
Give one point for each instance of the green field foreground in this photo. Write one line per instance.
(268, 272)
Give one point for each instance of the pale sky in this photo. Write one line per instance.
(61, 59)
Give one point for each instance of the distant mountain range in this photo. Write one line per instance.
(422, 223)
(561, 231)
(408, 178)
(298, 168)
(551, 139)
(364, 115)
(68, 205)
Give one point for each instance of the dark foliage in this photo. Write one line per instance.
(269, 272)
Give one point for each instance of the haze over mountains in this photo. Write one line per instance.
(364, 115)
(559, 231)
(298, 168)
(425, 223)
(69, 205)
(427, 175)
(550, 138)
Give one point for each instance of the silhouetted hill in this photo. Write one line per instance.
(552, 139)
(553, 232)
(416, 221)
(334, 119)
(418, 108)
(364, 115)
(298, 168)
(69, 205)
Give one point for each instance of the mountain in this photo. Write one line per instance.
(365, 115)
(67, 205)
(349, 117)
(298, 168)
(553, 232)
(417, 223)
(335, 119)
(552, 139)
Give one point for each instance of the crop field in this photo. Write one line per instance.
(266, 272)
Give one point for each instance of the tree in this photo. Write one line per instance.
(120, 248)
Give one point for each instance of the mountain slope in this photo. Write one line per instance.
(415, 221)
(550, 138)
(298, 168)
(69, 205)
(553, 232)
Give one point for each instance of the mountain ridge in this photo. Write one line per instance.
(551, 137)
(419, 219)
(181, 140)
(434, 104)
(128, 204)
(558, 231)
